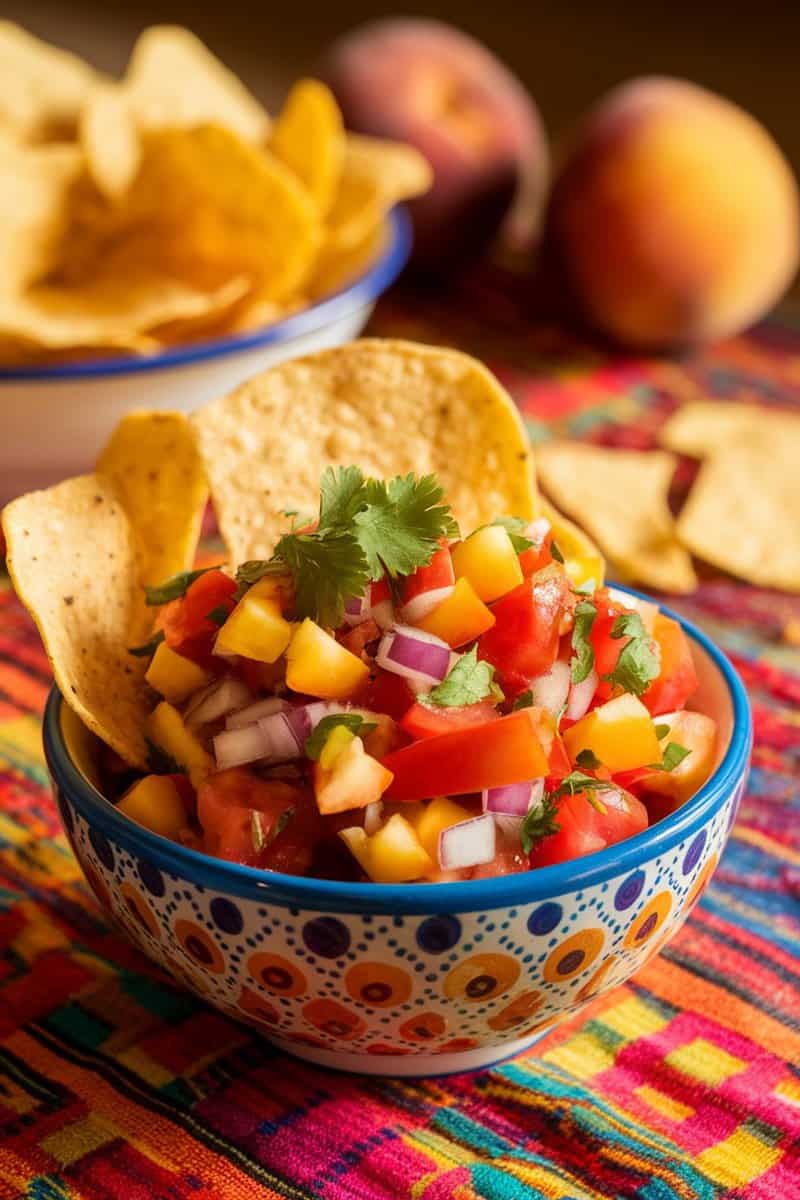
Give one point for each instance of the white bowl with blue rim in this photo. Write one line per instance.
(55, 419)
(409, 979)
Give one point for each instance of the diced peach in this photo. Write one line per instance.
(352, 780)
(392, 855)
(165, 728)
(319, 666)
(256, 628)
(439, 814)
(175, 677)
(620, 733)
(698, 734)
(460, 618)
(155, 803)
(487, 558)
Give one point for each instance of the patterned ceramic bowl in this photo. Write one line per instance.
(415, 979)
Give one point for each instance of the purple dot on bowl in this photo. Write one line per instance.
(327, 937)
(438, 934)
(66, 813)
(226, 915)
(693, 853)
(151, 877)
(647, 928)
(570, 962)
(545, 918)
(629, 891)
(102, 848)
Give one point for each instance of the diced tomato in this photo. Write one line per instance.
(584, 830)
(225, 803)
(538, 555)
(187, 629)
(359, 636)
(436, 575)
(260, 677)
(186, 792)
(677, 678)
(523, 642)
(427, 720)
(508, 860)
(606, 649)
(386, 692)
(468, 760)
(379, 591)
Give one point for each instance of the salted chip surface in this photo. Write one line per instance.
(308, 135)
(582, 560)
(152, 460)
(620, 497)
(743, 513)
(42, 87)
(173, 79)
(702, 427)
(390, 407)
(72, 557)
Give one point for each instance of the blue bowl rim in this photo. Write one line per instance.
(359, 292)
(468, 896)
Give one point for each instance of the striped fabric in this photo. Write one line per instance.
(682, 1085)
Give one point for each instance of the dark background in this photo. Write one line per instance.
(567, 53)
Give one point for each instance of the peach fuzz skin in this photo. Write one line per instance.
(431, 85)
(675, 215)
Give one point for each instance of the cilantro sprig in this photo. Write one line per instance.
(540, 822)
(673, 756)
(582, 649)
(468, 681)
(149, 647)
(366, 528)
(639, 659)
(315, 744)
(174, 588)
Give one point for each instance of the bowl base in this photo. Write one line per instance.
(420, 1065)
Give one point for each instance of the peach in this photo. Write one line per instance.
(675, 215)
(427, 83)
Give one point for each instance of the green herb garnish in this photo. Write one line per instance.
(523, 700)
(639, 661)
(539, 823)
(218, 616)
(173, 588)
(147, 648)
(468, 681)
(515, 528)
(588, 760)
(662, 731)
(583, 651)
(674, 754)
(315, 744)
(555, 552)
(159, 762)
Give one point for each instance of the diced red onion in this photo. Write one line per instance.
(281, 741)
(426, 602)
(419, 657)
(512, 800)
(236, 747)
(222, 698)
(538, 530)
(581, 696)
(361, 608)
(373, 817)
(254, 712)
(468, 844)
(550, 690)
(356, 610)
(511, 827)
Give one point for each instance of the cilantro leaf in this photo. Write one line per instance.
(588, 760)
(218, 616)
(515, 528)
(639, 660)
(147, 648)
(342, 494)
(523, 700)
(260, 842)
(174, 588)
(327, 567)
(674, 754)
(540, 822)
(583, 657)
(467, 682)
(315, 744)
(578, 781)
(662, 731)
(555, 552)
(401, 524)
(250, 572)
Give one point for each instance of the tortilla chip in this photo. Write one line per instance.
(308, 136)
(208, 206)
(376, 175)
(702, 427)
(42, 88)
(743, 513)
(620, 497)
(174, 80)
(110, 140)
(390, 407)
(582, 560)
(72, 557)
(336, 267)
(34, 188)
(152, 460)
(114, 309)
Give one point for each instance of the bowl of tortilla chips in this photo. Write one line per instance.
(163, 238)
(416, 978)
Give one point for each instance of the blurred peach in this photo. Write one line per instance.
(675, 215)
(429, 84)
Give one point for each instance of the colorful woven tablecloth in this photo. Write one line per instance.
(684, 1084)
